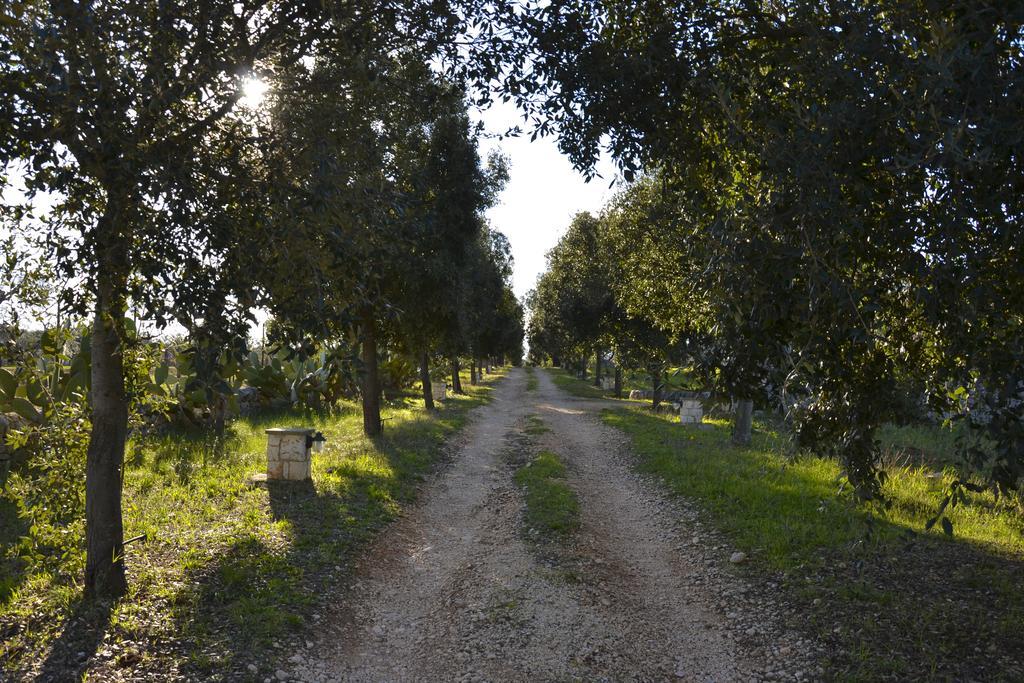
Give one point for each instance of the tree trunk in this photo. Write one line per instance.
(472, 371)
(428, 389)
(456, 380)
(371, 378)
(743, 422)
(597, 367)
(656, 385)
(104, 530)
(618, 382)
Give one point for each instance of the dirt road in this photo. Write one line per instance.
(456, 590)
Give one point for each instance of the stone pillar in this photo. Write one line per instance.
(439, 390)
(288, 456)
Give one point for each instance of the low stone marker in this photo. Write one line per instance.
(439, 390)
(691, 411)
(288, 453)
(607, 383)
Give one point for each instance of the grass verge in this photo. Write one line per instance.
(564, 379)
(887, 599)
(230, 574)
(535, 426)
(552, 508)
(531, 379)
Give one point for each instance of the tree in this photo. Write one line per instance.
(578, 307)
(575, 292)
(457, 189)
(680, 267)
(126, 111)
(868, 161)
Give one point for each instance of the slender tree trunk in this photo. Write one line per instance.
(597, 367)
(456, 379)
(104, 530)
(656, 385)
(371, 378)
(618, 381)
(428, 389)
(743, 422)
(472, 371)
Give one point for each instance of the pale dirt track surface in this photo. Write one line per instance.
(456, 590)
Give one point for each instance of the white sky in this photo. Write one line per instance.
(543, 193)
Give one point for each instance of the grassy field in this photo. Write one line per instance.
(586, 389)
(676, 379)
(583, 388)
(230, 573)
(888, 599)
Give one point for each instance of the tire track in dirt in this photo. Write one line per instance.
(455, 591)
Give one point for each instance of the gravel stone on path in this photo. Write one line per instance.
(455, 590)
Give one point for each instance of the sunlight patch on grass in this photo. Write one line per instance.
(785, 509)
(227, 566)
(891, 601)
(563, 379)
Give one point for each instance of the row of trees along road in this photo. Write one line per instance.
(349, 205)
(835, 187)
(825, 207)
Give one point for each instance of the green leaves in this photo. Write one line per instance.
(8, 385)
(160, 374)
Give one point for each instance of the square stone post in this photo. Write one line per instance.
(288, 456)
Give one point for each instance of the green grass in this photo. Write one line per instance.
(552, 508)
(228, 568)
(531, 379)
(535, 426)
(936, 446)
(892, 599)
(564, 379)
(679, 379)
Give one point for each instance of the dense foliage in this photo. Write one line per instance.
(151, 190)
(830, 203)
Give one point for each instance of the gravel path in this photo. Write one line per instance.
(456, 590)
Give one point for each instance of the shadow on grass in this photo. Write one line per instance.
(12, 527)
(264, 586)
(888, 602)
(77, 643)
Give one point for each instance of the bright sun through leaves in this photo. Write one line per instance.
(253, 91)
